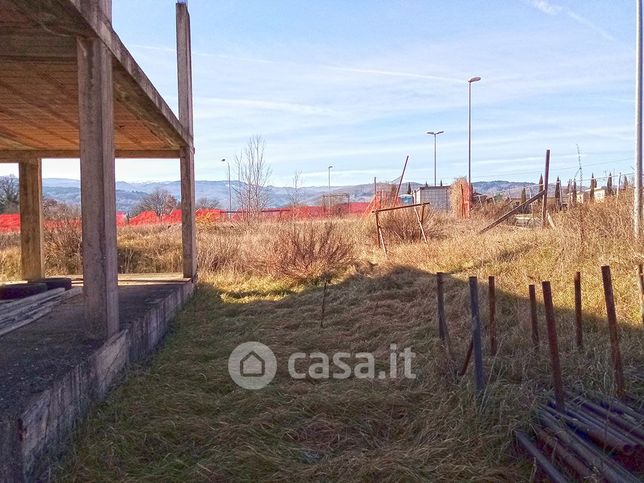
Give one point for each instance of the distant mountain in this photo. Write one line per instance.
(506, 187)
(129, 194)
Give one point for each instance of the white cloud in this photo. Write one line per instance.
(546, 7)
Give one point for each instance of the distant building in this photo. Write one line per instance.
(599, 195)
(436, 196)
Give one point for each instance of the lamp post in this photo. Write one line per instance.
(435, 134)
(230, 196)
(469, 130)
(329, 193)
(637, 205)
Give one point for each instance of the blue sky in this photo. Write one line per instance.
(356, 84)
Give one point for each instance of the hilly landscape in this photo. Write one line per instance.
(129, 194)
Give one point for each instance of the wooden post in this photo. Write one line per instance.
(479, 376)
(533, 317)
(468, 356)
(443, 331)
(578, 313)
(640, 283)
(544, 209)
(512, 212)
(184, 69)
(492, 314)
(98, 190)
(613, 331)
(31, 235)
(554, 346)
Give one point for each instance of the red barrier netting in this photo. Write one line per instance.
(10, 223)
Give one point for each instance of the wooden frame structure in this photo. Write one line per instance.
(70, 89)
(420, 218)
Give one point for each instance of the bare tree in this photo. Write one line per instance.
(254, 173)
(295, 194)
(160, 202)
(9, 194)
(206, 203)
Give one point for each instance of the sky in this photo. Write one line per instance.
(356, 84)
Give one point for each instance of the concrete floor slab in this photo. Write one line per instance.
(51, 373)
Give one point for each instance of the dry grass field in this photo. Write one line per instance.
(326, 286)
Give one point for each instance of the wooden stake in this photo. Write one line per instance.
(533, 317)
(544, 208)
(578, 326)
(492, 314)
(554, 346)
(468, 356)
(512, 212)
(479, 376)
(613, 331)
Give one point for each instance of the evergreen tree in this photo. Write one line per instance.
(558, 194)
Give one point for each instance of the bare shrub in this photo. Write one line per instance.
(491, 210)
(63, 238)
(457, 192)
(220, 248)
(401, 226)
(9, 240)
(307, 252)
(254, 173)
(153, 248)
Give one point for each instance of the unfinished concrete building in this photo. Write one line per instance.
(70, 89)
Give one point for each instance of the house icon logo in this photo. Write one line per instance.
(252, 365)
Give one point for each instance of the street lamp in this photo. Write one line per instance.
(435, 134)
(329, 195)
(230, 196)
(469, 130)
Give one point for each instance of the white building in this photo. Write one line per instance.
(436, 196)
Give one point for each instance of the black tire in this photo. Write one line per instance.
(56, 282)
(21, 290)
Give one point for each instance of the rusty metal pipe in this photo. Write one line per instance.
(555, 366)
(613, 405)
(614, 418)
(613, 331)
(540, 459)
(560, 450)
(597, 433)
(602, 425)
(591, 455)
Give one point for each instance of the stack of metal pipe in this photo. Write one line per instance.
(591, 437)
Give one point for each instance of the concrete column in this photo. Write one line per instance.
(184, 69)
(31, 234)
(98, 187)
(188, 223)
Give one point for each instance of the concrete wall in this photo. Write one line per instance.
(40, 432)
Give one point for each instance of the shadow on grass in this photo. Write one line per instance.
(182, 417)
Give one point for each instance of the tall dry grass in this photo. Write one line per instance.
(431, 428)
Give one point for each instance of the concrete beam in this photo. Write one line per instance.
(184, 72)
(98, 187)
(26, 155)
(31, 222)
